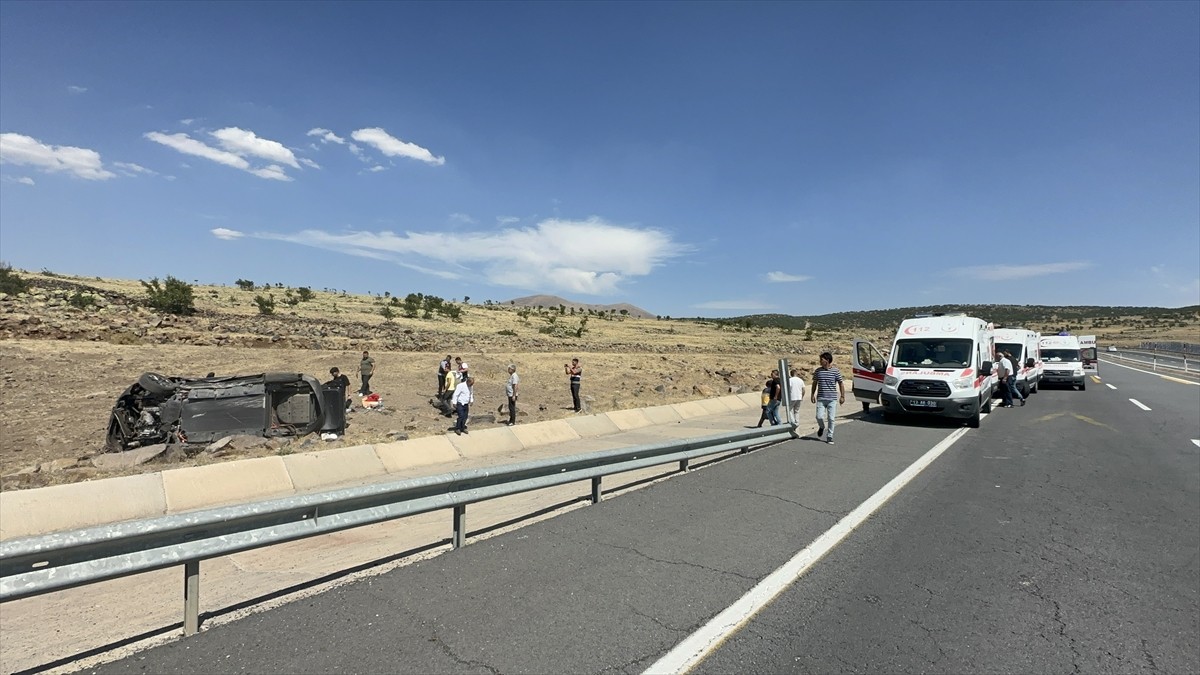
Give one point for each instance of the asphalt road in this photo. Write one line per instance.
(1063, 536)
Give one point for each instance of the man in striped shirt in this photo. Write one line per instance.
(824, 397)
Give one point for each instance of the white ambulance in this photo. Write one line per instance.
(1026, 356)
(939, 365)
(1062, 361)
(1087, 351)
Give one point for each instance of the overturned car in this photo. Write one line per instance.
(159, 409)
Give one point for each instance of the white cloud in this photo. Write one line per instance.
(309, 163)
(327, 136)
(27, 151)
(1011, 272)
(736, 305)
(462, 218)
(394, 147)
(23, 180)
(507, 220)
(190, 146)
(227, 234)
(589, 257)
(377, 169)
(187, 122)
(784, 277)
(358, 152)
(244, 143)
(131, 169)
(76, 89)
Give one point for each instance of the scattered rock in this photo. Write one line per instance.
(56, 465)
(124, 460)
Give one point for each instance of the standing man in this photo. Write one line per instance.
(824, 379)
(510, 388)
(1012, 380)
(796, 393)
(337, 379)
(461, 400)
(366, 368)
(776, 397)
(443, 368)
(1003, 370)
(575, 372)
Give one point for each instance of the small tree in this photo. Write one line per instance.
(305, 293)
(172, 296)
(244, 284)
(387, 313)
(11, 283)
(265, 305)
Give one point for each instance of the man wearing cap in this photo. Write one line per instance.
(337, 379)
(510, 388)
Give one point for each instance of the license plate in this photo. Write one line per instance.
(923, 404)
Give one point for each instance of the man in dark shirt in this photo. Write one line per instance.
(337, 379)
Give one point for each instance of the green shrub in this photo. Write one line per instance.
(387, 313)
(265, 305)
(244, 284)
(81, 300)
(305, 293)
(508, 332)
(172, 296)
(11, 283)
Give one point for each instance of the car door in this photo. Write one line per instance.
(869, 370)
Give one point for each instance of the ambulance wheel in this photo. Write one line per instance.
(974, 421)
(987, 407)
(866, 406)
(1083, 385)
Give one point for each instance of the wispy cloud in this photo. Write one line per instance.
(591, 257)
(76, 89)
(226, 233)
(462, 218)
(377, 168)
(394, 147)
(23, 180)
(1011, 272)
(507, 220)
(243, 142)
(131, 169)
(189, 146)
(736, 305)
(187, 122)
(27, 151)
(784, 277)
(326, 136)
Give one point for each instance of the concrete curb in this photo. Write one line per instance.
(63, 507)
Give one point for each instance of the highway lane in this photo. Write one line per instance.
(1062, 537)
(1046, 539)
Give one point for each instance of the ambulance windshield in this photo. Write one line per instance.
(932, 353)
(1059, 355)
(1015, 350)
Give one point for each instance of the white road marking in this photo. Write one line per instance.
(1110, 386)
(694, 648)
(1196, 441)
(1138, 404)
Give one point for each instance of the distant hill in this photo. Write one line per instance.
(1035, 317)
(554, 301)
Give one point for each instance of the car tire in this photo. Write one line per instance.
(156, 384)
(973, 422)
(866, 406)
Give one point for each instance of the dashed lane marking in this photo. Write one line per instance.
(1196, 441)
(1139, 404)
(1110, 386)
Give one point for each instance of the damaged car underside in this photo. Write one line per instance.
(159, 409)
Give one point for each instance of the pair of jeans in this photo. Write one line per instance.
(463, 409)
(366, 384)
(575, 396)
(826, 414)
(1013, 392)
(773, 411)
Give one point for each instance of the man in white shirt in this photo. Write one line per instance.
(1003, 369)
(510, 388)
(796, 393)
(462, 400)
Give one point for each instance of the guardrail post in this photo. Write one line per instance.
(596, 496)
(191, 597)
(683, 465)
(460, 525)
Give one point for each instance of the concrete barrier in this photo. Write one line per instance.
(689, 409)
(25, 513)
(628, 420)
(554, 431)
(404, 455)
(662, 414)
(589, 426)
(486, 442)
(325, 468)
(226, 483)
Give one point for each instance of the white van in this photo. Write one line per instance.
(1087, 351)
(1062, 361)
(939, 365)
(1026, 356)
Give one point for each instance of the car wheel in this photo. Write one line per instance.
(156, 384)
(866, 406)
(974, 421)
(987, 407)
(1083, 385)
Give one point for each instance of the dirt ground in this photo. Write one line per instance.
(55, 396)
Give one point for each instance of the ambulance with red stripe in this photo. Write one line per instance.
(1026, 356)
(939, 365)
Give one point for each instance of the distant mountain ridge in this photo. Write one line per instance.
(1030, 316)
(554, 301)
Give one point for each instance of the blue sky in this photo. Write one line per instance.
(694, 159)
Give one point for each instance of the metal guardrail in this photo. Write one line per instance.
(1157, 360)
(32, 566)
